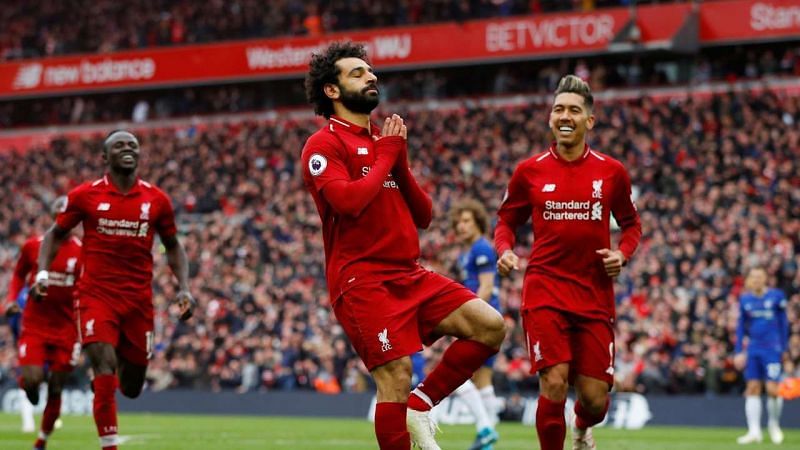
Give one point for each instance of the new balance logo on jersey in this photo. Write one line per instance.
(23, 349)
(90, 327)
(362, 151)
(383, 337)
(549, 188)
(71, 262)
(537, 352)
(597, 189)
(104, 206)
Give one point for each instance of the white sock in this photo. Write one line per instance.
(26, 411)
(752, 409)
(42, 435)
(774, 407)
(490, 403)
(469, 394)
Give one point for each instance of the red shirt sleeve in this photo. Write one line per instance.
(419, 203)
(74, 211)
(165, 224)
(25, 264)
(514, 211)
(625, 213)
(324, 164)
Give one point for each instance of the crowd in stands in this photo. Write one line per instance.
(716, 180)
(603, 72)
(41, 28)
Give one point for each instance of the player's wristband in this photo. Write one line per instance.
(41, 276)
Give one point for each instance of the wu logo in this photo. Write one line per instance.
(90, 327)
(145, 215)
(597, 189)
(71, 262)
(383, 337)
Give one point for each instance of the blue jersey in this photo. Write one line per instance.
(480, 259)
(763, 320)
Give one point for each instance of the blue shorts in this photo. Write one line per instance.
(763, 366)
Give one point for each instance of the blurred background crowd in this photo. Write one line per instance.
(57, 27)
(716, 182)
(602, 72)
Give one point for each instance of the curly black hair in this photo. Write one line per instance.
(322, 70)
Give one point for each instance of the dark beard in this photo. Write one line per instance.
(358, 102)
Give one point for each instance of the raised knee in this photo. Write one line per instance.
(493, 331)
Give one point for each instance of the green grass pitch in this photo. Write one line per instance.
(175, 432)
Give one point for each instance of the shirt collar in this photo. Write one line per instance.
(111, 187)
(336, 123)
(584, 155)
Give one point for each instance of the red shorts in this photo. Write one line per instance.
(389, 319)
(555, 337)
(129, 329)
(61, 355)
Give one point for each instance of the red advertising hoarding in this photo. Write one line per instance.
(748, 20)
(500, 39)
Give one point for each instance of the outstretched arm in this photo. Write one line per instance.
(179, 263)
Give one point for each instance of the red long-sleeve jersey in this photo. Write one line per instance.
(368, 200)
(52, 316)
(570, 204)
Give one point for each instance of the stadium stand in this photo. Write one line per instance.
(716, 180)
(30, 29)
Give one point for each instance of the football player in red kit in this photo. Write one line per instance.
(569, 192)
(120, 214)
(48, 345)
(371, 206)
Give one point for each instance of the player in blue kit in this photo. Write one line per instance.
(478, 272)
(764, 328)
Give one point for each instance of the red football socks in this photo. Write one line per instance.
(584, 419)
(105, 410)
(390, 426)
(51, 412)
(458, 363)
(550, 424)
